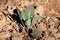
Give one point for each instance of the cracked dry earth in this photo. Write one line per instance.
(49, 25)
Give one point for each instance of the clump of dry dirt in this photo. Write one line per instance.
(49, 25)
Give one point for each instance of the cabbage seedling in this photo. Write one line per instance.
(28, 21)
(26, 16)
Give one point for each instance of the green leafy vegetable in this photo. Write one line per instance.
(26, 16)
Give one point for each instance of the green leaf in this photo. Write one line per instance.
(25, 16)
(30, 10)
(36, 19)
(28, 22)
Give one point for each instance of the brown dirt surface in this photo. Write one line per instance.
(49, 25)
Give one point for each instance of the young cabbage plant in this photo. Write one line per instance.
(28, 21)
(26, 16)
